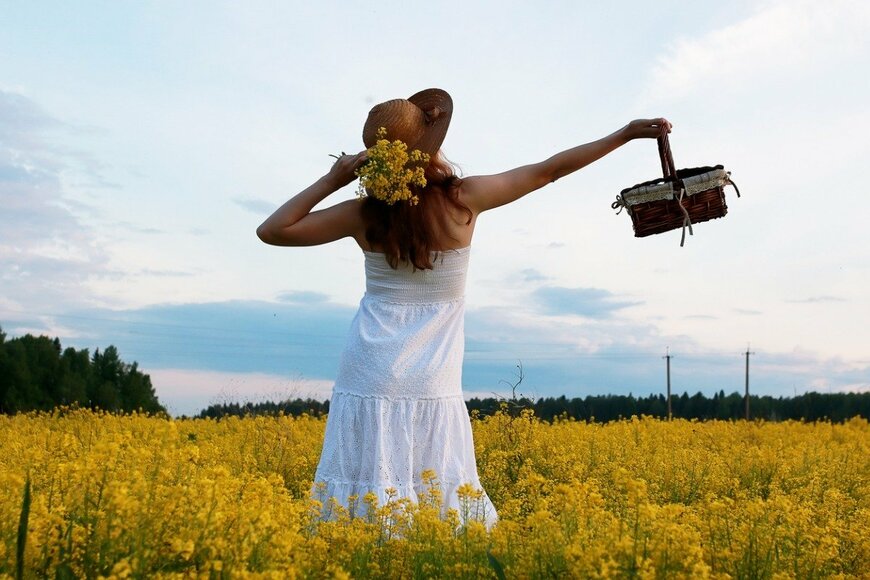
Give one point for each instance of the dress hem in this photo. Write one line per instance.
(350, 496)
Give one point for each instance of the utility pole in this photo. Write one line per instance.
(747, 353)
(667, 358)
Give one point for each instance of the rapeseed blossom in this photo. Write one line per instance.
(125, 496)
(390, 171)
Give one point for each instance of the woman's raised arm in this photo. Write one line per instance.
(294, 224)
(484, 192)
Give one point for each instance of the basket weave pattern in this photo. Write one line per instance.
(679, 199)
(664, 214)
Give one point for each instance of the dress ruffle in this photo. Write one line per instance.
(373, 444)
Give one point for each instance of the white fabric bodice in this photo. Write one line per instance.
(444, 283)
(408, 336)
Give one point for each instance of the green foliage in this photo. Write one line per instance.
(836, 407)
(809, 406)
(37, 374)
(294, 407)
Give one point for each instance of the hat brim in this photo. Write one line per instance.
(436, 130)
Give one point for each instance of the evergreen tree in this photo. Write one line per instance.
(36, 374)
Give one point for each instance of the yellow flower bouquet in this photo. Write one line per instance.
(391, 170)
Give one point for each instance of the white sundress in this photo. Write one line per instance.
(397, 407)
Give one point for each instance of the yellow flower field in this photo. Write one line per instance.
(142, 496)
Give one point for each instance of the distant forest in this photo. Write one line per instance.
(37, 374)
(835, 407)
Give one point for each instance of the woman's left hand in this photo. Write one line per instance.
(342, 171)
(646, 128)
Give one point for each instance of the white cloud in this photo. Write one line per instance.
(853, 388)
(785, 37)
(586, 302)
(46, 253)
(818, 300)
(260, 207)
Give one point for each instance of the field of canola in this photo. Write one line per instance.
(140, 496)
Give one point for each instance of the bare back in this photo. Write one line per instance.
(452, 233)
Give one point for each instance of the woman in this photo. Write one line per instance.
(397, 408)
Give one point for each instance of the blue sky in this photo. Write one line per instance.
(141, 145)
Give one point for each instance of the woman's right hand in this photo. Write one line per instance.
(342, 171)
(646, 128)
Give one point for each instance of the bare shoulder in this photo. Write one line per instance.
(485, 192)
(469, 193)
(350, 211)
(350, 207)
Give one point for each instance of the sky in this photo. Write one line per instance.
(141, 144)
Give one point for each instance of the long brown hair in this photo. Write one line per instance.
(407, 232)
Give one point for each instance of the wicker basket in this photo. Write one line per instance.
(679, 199)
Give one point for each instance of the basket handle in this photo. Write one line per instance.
(669, 170)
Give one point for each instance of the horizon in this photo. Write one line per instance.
(293, 392)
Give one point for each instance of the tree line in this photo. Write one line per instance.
(37, 374)
(813, 406)
(293, 407)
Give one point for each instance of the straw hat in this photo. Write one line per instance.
(420, 121)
